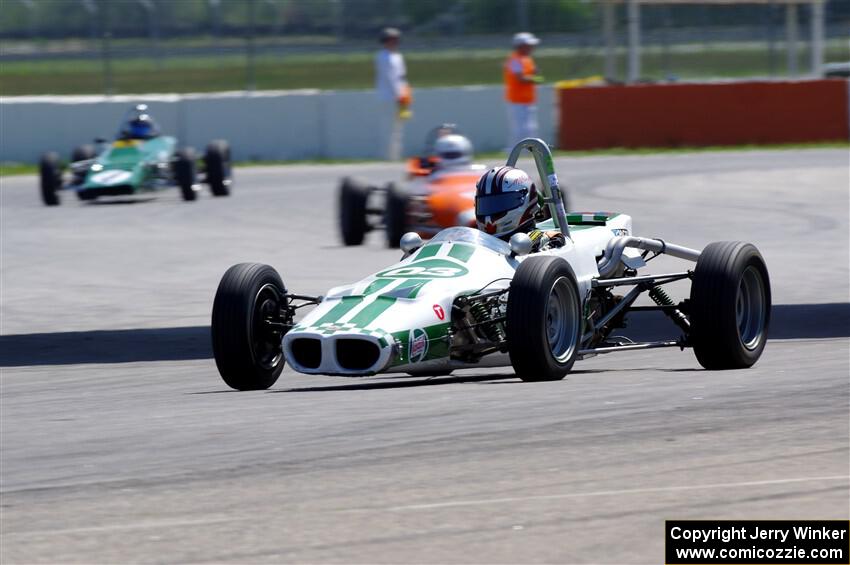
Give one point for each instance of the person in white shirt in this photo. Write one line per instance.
(393, 93)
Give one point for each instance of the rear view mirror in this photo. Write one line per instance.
(410, 242)
(520, 244)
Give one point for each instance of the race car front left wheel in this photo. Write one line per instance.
(543, 319)
(729, 306)
(247, 332)
(50, 176)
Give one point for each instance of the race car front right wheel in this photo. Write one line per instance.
(543, 319)
(83, 153)
(247, 333)
(185, 172)
(729, 306)
(50, 176)
(353, 195)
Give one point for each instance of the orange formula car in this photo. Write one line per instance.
(439, 193)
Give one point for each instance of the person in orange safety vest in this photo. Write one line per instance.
(520, 76)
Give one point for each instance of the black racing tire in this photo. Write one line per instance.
(83, 153)
(50, 177)
(730, 306)
(353, 195)
(217, 165)
(544, 319)
(249, 356)
(185, 172)
(395, 215)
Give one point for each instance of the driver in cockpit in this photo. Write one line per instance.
(507, 202)
(138, 125)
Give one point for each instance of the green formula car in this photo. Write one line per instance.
(139, 160)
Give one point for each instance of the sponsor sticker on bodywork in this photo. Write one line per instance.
(418, 345)
(111, 177)
(438, 310)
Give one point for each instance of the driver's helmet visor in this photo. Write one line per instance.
(493, 204)
(140, 129)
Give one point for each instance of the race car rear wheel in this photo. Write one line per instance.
(185, 172)
(217, 164)
(543, 319)
(353, 195)
(395, 215)
(83, 153)
(729, 306)
(247, 337)
(50, 176)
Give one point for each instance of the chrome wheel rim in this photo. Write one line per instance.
(561, 315)
(750, 305)
(266, 341)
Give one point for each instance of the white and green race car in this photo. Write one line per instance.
(467, 299)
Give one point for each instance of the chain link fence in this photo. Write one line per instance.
(136, 46)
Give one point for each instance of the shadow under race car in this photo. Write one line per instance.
(467, 299)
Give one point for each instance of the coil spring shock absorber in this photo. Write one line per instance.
(661, 298)
(492, 330)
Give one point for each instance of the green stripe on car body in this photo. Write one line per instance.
(368, 314)
(345, 305)
(377, 285)
(461, 252)
(429, 251)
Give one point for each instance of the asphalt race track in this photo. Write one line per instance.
(120, 443)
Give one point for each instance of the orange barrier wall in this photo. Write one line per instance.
(670, 115)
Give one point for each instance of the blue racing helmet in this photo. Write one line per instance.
(138, 124)
(141, 129)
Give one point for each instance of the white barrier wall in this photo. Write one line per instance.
(267, 125)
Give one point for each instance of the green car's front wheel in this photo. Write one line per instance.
(50, 176)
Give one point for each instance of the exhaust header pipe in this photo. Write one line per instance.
(614, 251)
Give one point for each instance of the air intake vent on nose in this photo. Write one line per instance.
(356, 354)
(307, 352)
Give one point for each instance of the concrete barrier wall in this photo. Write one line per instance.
(305, 124)
(732, 113)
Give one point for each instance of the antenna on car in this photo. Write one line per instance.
(546, 168)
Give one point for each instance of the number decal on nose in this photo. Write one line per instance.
(427, 269)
